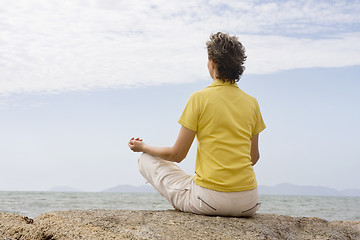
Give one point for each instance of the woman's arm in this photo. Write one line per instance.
(175, 153)
(255, 155)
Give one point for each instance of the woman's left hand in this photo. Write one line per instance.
(136, 145)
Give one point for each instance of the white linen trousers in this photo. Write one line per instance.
(184, 194)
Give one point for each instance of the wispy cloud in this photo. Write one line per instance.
(76, 45)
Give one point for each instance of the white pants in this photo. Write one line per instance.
(184, 194)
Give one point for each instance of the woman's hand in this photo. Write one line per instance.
(136, 145)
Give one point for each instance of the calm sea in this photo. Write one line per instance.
(32, 204)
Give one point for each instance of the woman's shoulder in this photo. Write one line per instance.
(247, 96)
(201, 93)
(251, 101)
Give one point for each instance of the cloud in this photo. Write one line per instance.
(68, 45)
(277, 53)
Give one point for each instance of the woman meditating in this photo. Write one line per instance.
(226, 122)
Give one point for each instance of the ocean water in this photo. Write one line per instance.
(32, 204)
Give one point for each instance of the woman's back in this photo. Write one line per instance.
(225, 118)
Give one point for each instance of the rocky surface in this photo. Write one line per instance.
(126, 224)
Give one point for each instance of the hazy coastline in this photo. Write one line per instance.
(279, 189)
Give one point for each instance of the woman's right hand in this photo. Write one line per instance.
(136, 145)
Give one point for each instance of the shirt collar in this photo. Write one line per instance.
(218, 82)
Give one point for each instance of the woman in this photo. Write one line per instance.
(226, 122)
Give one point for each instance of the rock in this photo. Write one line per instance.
(127, 224)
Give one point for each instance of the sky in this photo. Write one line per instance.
(79, 78)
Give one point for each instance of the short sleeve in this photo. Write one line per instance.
(259, 122)
(190, 116)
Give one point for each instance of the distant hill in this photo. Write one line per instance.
(63, 189)
(131, 189)
(291, 189)
(280, 189)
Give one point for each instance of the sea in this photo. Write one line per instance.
(32, 204)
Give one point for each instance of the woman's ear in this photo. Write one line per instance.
(212, 63)
(212, 69)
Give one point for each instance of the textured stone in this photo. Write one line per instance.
(127, 224)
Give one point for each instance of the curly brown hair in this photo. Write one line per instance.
(228, 55)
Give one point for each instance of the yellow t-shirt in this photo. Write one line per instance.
(224, 118)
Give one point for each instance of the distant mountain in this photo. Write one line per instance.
(291, 189)
(63, 189)
(131, 189)
(351, 192)
(280, 189)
